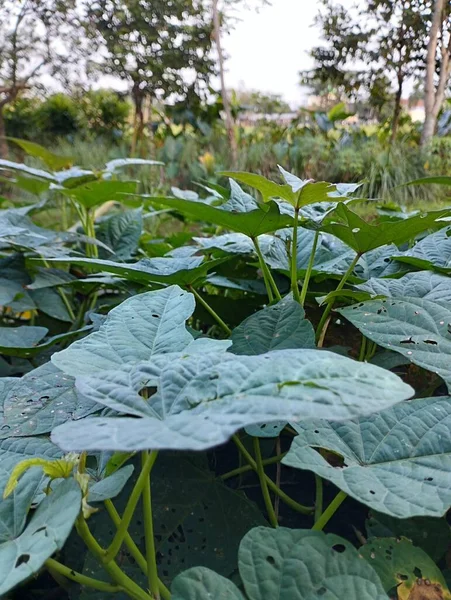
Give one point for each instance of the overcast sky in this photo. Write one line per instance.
(268, 49)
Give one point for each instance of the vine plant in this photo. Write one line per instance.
(114, 444)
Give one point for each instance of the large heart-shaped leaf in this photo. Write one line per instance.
(277, 327)
(45, 534)
(39, 401)
(432, 252)
(252, 223)
(407, 568)
(201, 400)
(397, 462)
(422, 284)
(162, 269)
(95, 193)
(418, 328)
(431, 534)
(147, 324)
(288, 564)
(362, 236)
(121, 233)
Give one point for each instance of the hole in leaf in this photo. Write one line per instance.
(155, 316)
(402, 576)
(372, 492)
(417, 572)
(431, 342)
(43, 528)
(22, 560)
(321, 591)
(408, 341)
(339, 548)
(44, 398)
(147, 392)
(316, 431)
(271, 560)
(429, 479)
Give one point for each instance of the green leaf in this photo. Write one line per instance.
(8, 165)
(422, 284)
(121, 233)
(288, 564)
(433, 252)
(268, 189)
(202, 399)
(430, 534)
(252, 223)
(49, 277)
(53, 161)
(296, 564)
(39, 401)
(46, 533)
(161, 269)
(200, 583)
(14, 451)
(118, 163)
(111, 486)
(21, 337)
(144, 325)
(362, 236)
(417, 328)
(14, 509)
(401, 565)
(17, 343)
(440, 180)
(95, 193)
(396, 462)
(276, 327)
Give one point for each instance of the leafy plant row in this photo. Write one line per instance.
(290, 332)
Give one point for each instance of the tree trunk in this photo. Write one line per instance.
(225, 100)
(434, 95)
(3, 142)
(397, 110)
(138, 121)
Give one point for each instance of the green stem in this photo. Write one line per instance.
(294, 258)
(130, 587)
(330, 511)
(247, 468)
(152, 572)
(264, 484)
(362, 352)
(133, 548)
(322, 326)
(318, 497)
(308, 273)
(96, 584)
(305, 510)
(210, 310)
(130, 508)
(271, 286)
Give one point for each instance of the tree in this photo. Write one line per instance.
(386, 37)
(34, 37)
(260, 102)
(156, 46)
(438, 67)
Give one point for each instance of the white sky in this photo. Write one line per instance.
(268, 49)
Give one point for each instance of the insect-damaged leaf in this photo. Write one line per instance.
(202, 399)
(288, 564)
(396, 462)
(417, 328)
(409, 569)
(46, 533)
(146, 324)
